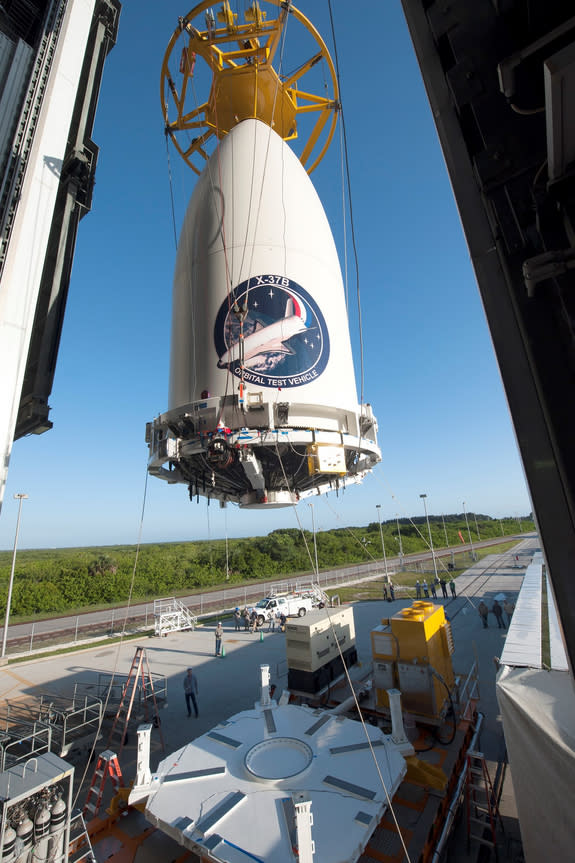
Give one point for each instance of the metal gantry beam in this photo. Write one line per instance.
(497, 156)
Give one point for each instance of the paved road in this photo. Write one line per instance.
(25, 635)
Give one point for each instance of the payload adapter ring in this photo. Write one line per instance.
(274, 458)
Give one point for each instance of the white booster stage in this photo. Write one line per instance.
(263, 407)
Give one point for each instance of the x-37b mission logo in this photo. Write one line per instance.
(285, 339)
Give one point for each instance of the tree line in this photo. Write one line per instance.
(49, 581)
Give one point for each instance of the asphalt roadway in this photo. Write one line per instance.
(231, 683)
(113, 620)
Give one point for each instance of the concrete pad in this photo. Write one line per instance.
(230, 684)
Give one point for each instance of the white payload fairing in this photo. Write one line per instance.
(263, 407)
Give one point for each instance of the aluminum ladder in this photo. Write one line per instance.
(106, 766)
(139, 674)
(481, 804)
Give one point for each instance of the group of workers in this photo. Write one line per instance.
(250, 620)
(497, 611)
(431, 588)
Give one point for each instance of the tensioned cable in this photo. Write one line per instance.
(284, 212)
(280, 66)
(438, 560)
(171, 192)
(367, 737)
(274, 103)
(224, 244)
(186, 246)
(259, 204)
(349, 195)
(138, 546)
(120, 642)
(294, 506)
(224, 241)
(344, 218)
(352, 534)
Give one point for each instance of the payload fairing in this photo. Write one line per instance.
(263, 408)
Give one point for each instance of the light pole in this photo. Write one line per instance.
(424, 496)
(399, 538)
(227, 550)
(314, 540)
(476, 527)
(378, 508)
(19, 498)
(501, 526)
(468, 532)
(445, 531)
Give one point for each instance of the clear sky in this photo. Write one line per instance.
(430, 370)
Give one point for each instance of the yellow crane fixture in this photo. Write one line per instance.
(245, 84)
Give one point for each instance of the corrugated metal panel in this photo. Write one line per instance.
(7, 47)
(15, 62)
(523, 643)
(558, 655)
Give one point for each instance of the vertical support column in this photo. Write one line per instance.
(265, 683)
(303, 825)
(398, 734)
(143, 774)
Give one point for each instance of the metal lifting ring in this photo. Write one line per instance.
(245, 84)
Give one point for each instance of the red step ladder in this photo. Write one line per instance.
(139, 675)
(482, 809)
(107, 765)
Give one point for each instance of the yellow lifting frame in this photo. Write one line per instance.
(244, 83)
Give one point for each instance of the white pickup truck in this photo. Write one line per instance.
(291, 604)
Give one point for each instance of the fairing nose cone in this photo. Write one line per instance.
(259, 320)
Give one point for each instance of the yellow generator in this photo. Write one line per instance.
(412, 652)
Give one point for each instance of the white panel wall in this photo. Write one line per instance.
(14, 65)
(25, 257)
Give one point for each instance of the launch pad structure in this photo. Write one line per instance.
(228, 688)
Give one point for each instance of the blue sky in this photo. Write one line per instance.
(430, 370)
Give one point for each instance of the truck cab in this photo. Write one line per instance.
(288, 605)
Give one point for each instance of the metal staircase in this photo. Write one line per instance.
(79, 846)
(481, 803)
(171, 615)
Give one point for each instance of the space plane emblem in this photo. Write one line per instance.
(285, 337)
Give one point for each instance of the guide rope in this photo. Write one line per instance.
(118, 647)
